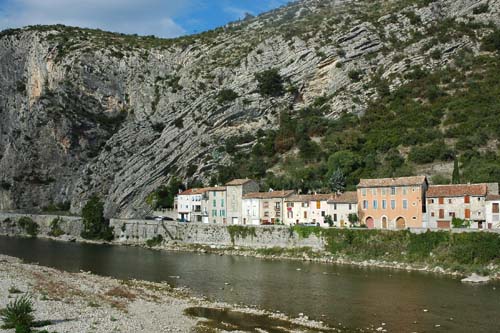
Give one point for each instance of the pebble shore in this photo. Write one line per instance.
(84, 302)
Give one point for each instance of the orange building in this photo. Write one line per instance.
(392, 203)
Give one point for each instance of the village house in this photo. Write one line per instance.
(235, 190)
(189, 205)
(340, 206)
(213, 205)
(392, 203)
(264, 207)
(318, 207)
(463, 201)
(493, 211)
(297, 209)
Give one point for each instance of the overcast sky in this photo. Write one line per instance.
(164, 18)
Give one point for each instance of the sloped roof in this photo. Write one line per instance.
(458, 190)
(492, 197)
(299, 198)
(214, 188)
(400, 181)
(237, 182)
(193, 191)
(268, 195)
(346, 197)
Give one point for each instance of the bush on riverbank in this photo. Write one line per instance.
(155, 241)
(239, 231)
(95, 226)
(55, 228)
(461, 251)
(29, 226)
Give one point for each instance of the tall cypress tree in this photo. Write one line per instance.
(455, 177)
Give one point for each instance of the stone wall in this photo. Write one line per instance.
(138, 231)
(71, 225)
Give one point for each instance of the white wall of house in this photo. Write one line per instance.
(492, 214)
(189, 207)
(456, 206)
(296, 212)
(251, 211)
(340, 213)
(317, 211)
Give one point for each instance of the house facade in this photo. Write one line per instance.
(297, 209)
(392, 203)
(464, 201)
(340, 206)
(213, 205)
(271, 207)
(189, 205)
(318, 208)
(493, 211)
(235, 190)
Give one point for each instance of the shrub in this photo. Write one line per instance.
(355, 74)
(492, 41)
(480, 9)
(29, 226)
(95, 226)
(226, 95)
(270, 83)
(155, 241)
(18, 314)
(55, 228)
(158, 127)
(459, 223)
(179, 123)
(4, 185)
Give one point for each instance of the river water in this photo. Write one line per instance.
(355, 297)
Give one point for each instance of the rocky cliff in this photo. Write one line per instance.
(89, 112)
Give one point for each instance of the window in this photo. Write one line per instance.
(335, 206)
(441, 201)
(305, 215)
(384, 204)
(266, 214)
(495, 208)
(290, 214)
(214, 203)
(305, 204)
(365, 204)
(318, 204)
(278, 206)
(393, 204)
(467, 199)
(430, 201)
(222, 202)
(350, 206)
(467, 213)
(432, 214)
(265, 204)
(450, 201)
(214, 193)
(375, 204)
(278, 214)
(393, 191)
(335, 217)
(374, 191)
(383, 190)
(405, 204)
(222, 212)
(451, 214)
(363, 192)
(441, 213)
(214, 212)
(405, 190)
(323, 213)
(289, 204)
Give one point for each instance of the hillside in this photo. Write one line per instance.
(373, 88)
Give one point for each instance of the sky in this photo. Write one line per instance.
(163, 18)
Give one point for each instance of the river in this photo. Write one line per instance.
(355, 297)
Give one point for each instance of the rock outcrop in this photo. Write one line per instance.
(88, 112)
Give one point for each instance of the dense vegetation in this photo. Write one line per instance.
(29, 226)
(462, 252)
(449, 114)
(95, 226)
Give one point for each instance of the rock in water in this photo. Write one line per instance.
(474, 278)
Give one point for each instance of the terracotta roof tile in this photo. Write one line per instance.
(346, 197)
(492, 197)
(299, 198)
(214, 188)
(268, 195)
(459, 190)
(192, 191)
(401, 181)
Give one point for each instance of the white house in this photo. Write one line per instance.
(251, 211)
(189, 205)
(340, 206)
(493, 211)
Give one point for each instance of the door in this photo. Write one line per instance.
(400, 223)
(369, 223)
(384, 222)
(235, 220)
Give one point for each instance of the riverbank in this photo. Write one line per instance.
(84, 302)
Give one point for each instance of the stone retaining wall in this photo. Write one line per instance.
(71, 225)
(138, 231)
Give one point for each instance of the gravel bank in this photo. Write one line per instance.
(84, 302)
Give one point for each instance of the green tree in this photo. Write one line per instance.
(455, 177)
(329, 220)
(337, 181)
(95, 226)
(353, 218)
(270, 83)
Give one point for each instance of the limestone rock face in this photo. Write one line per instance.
(87, 112)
